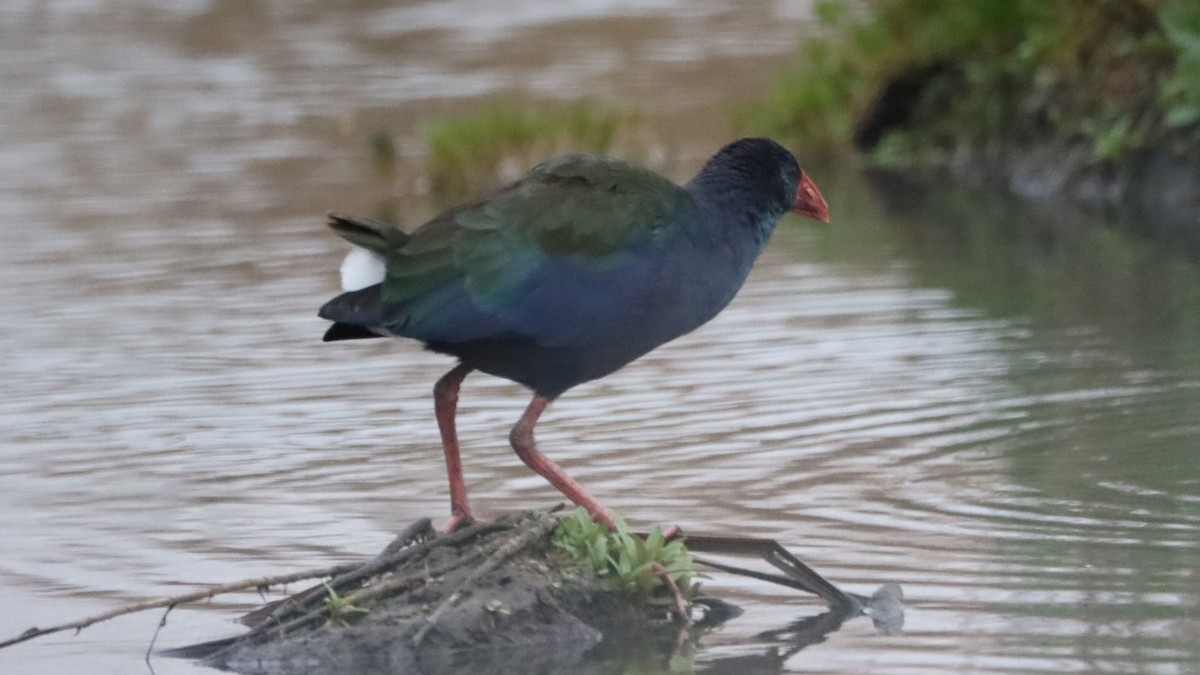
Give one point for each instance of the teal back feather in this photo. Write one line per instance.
(593, 210)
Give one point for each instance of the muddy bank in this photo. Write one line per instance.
(492, 598)
(1153, 192)
(1155, 187)
(1157, 183)
(1084, 103)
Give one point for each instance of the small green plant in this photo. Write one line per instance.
(504, 136)
(627, 560)
(340, 609)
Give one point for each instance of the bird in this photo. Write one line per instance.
(564, 276)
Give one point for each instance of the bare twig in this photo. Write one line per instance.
(195, 596)
(301, 603)
(310, 613)
(154, 638)
(308, 607)
(414, 538)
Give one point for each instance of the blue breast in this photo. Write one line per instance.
(575, 319)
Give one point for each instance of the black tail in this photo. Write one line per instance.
(372, 235)
(356, 315)
(348, 331)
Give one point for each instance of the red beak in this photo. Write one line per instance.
(809, 202)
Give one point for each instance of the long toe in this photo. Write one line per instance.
(457, 522)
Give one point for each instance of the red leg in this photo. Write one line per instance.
(521, 438)
(445, 402)
(522, 441)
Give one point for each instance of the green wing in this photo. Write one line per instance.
(594, 210)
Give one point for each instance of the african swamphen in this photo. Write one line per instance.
(566, 275)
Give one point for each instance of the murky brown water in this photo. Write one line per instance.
(940, 389)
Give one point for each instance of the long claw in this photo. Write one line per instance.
(681, 611)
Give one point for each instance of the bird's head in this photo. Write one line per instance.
(762, 167)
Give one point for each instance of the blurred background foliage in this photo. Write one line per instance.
(910, 83)
(1115, 73)
(501, 138)
(1111, 76)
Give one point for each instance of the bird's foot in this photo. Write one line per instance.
(457, 521)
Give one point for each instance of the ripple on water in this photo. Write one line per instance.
(170, 417)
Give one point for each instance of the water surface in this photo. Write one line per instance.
(995, 406)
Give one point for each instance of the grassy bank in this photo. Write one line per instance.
(913, 80)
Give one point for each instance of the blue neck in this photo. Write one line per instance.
(738, 214)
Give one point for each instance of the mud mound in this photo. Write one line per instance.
(491, 598)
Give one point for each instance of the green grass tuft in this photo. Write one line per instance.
(624, 558)
(503, 137)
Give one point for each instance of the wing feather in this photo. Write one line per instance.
(464, 274)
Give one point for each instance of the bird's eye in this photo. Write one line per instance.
(790, 176)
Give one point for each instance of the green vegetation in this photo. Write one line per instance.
(1111, 74)
(503, 137)
(340, 609)
(624, 558)
(1181, 92)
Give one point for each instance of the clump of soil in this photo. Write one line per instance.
(494, 597)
